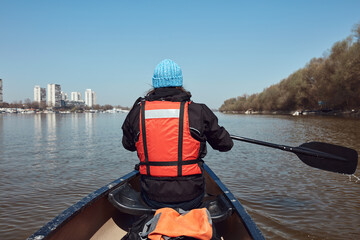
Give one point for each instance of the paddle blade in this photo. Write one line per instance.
(331, 157)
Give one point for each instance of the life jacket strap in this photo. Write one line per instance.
(144, 135)
(180, 141)
(189, 162)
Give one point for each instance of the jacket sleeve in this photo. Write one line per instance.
(130, 128)
(217, 136)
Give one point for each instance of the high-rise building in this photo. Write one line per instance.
(90, 98)
(75, 96)
(64, 96)
(1, 93)
(54, 95)
(39, 94)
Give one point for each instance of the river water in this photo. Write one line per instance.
(50, 161)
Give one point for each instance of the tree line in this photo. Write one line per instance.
(330, 82)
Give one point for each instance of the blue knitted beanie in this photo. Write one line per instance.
(167, 74)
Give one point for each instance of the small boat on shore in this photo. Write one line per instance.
(109, 212)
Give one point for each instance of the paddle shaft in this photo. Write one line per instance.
(296, 150)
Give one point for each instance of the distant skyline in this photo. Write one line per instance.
(73, 94)
(67, 92)
(224, 48)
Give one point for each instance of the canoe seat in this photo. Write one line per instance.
(128, 200)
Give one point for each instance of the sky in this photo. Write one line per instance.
(224, 48)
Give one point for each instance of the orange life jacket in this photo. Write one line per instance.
(165, 146)
(168, 222)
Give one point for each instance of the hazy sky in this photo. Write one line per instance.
(225, 48)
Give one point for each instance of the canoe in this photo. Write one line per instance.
(109, 212)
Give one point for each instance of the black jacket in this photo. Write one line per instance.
(203, 127)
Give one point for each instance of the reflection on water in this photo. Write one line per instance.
(89, 124)
(51, 147)
(51, 161)
(1, 131)
(37, 129)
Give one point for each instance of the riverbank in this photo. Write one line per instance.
(351, 113)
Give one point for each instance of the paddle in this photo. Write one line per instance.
(320, 155)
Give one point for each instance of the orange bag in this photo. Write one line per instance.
(168, 222)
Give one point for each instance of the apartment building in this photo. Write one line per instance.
(64, 96)
(54, 95)
(75, 96)
(90, 98)
(39, 94)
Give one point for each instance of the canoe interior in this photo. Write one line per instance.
(99, 219)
